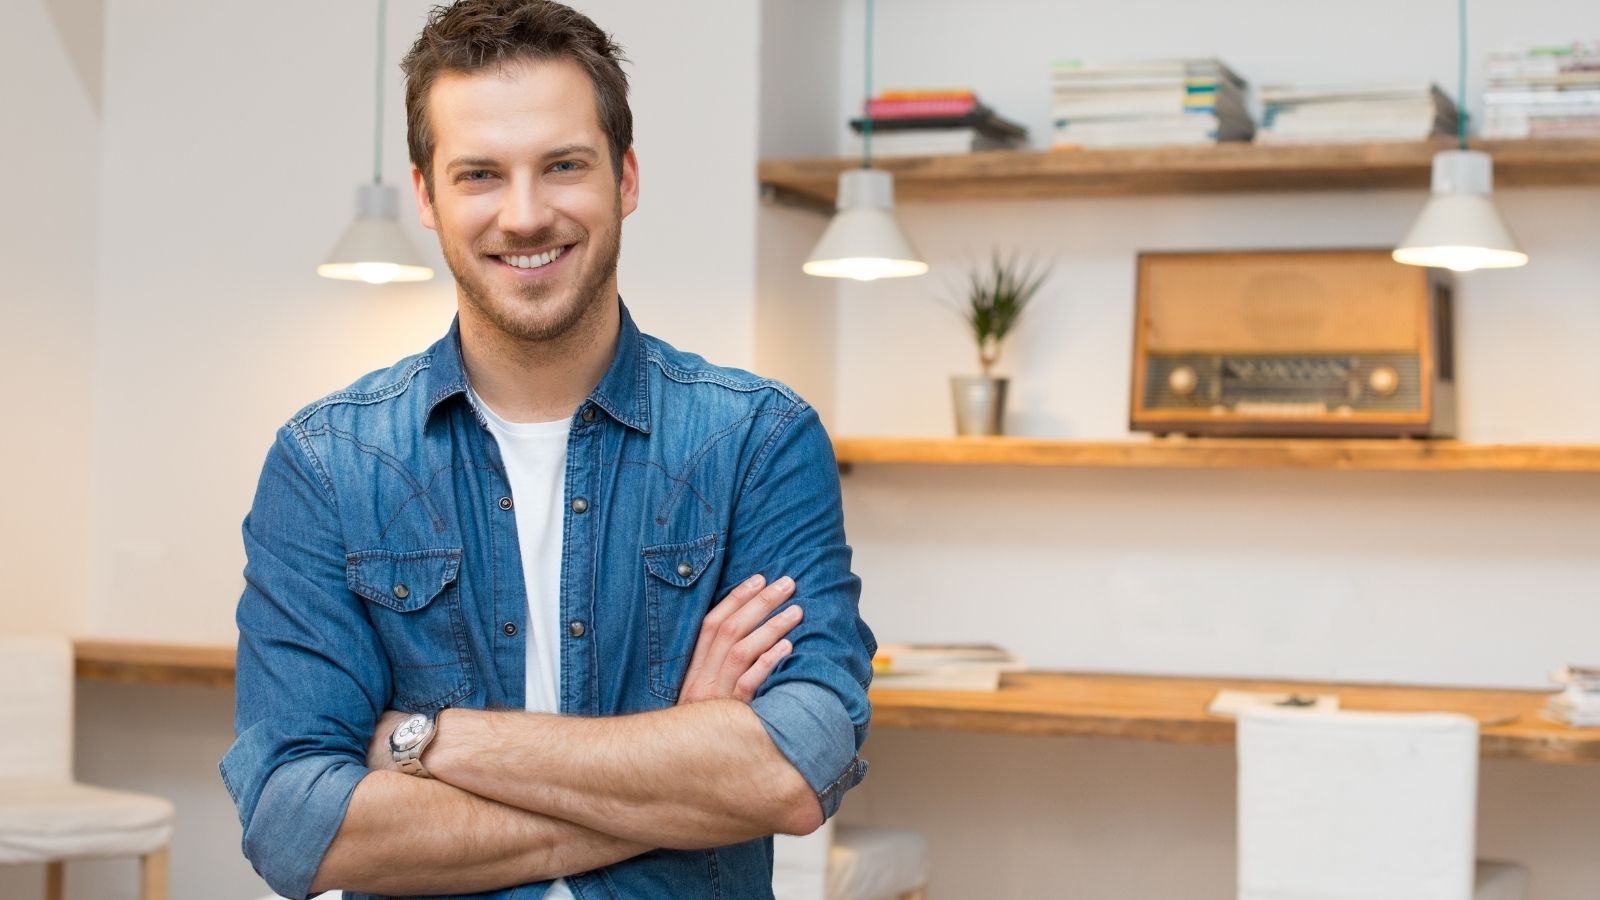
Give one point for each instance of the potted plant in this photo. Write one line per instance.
(996, 295)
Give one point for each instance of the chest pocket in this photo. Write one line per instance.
(679, 586)
(415, 605)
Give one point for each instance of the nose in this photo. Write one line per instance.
(524, 209)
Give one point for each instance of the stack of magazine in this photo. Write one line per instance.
(934, 123)
(942, 667)
(1341, 113)
(1579, 703)
(1541, 92)
(1150, 103)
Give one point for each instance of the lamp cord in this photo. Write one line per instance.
(377, 126)
(1461, 55)
(866, 106)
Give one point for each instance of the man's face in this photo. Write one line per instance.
(525, 200)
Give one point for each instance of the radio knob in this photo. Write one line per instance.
(1383, 380)
(1183, 381)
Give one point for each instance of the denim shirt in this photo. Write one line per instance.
(383, 573)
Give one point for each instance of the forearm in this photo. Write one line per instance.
(694, 776)
(408, 835)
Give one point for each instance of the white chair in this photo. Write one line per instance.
(1362, 806)
(851, 862)
(45, 816)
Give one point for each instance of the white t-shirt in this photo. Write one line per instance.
(535, 456)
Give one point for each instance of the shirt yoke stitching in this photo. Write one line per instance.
(440, 526)
(367, 398)
(705, 449)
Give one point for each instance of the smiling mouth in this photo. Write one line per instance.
(534, 260)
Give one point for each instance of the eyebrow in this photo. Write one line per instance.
(481, 162)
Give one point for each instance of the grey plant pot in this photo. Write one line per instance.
(980, 403)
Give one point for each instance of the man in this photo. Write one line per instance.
(522, 534)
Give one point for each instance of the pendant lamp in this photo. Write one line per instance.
(374, 249)
(864, 242)
(1459, 228)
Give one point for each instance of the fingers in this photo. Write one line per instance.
(736, 599)
(750, 682)
(738, 639)
(744, 620)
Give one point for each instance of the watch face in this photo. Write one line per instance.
(409, 732)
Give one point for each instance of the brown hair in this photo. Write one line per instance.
(473, 35)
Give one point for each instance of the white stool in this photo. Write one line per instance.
(1363, 806)
(851, 862)
(45, 816)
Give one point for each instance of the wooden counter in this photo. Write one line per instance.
(133, 662)
(1051, 703)
(1173, 710)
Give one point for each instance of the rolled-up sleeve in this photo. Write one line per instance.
(789, 520)
(310, 683)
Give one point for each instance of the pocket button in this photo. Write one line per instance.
(685, 570)
(401, 591)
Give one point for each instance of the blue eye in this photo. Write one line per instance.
(567, 165)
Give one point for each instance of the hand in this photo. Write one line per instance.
(379, 757)
(739, 645)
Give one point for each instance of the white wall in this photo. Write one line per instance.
(795, 320)
(47, 261)
(1457, 579)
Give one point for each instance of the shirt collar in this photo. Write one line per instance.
(622, 391)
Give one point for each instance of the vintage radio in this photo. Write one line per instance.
(1324, 343)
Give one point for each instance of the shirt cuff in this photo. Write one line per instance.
(296, 814)
(812, 730)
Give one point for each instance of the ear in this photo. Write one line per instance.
(424, 204)
(629, 189)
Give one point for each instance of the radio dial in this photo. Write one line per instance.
(1383, 380)
(1183, 381)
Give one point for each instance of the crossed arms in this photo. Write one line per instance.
(523, 797)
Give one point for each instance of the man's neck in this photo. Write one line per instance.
(539, 381)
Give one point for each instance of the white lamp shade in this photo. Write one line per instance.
(1460, 228)
(374, 249)
(864, 241)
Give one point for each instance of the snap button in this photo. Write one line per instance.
(685, 570)
(401, 591)
(580, 506)
(576, 628)
(588, 414)
(510, 629)
(505, 502)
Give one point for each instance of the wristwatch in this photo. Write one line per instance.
(409, 739)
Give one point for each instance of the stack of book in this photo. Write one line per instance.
(1147, 104)
(1348, 113)
(942, 667)
(934, 123)
(1579, 704)
(1543, 92)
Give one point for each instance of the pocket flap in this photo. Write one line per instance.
(404, 582)
(680, 564)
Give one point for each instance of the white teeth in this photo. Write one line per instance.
(533, 262)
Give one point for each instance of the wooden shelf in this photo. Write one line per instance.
(1173, 710)
(1121, 706)
(1222, 168)
(1222, 453)
(133, 662)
